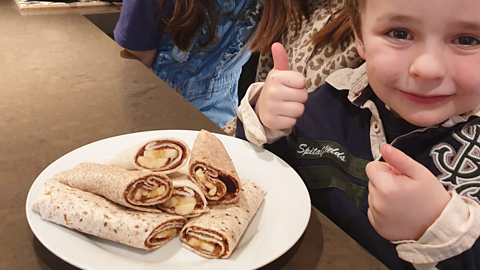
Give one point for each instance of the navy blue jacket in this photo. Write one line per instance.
(330, 146)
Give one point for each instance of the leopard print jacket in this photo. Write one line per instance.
(314, 62)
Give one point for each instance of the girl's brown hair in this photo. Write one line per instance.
(188, 17)
(343, 25)
(276, 17)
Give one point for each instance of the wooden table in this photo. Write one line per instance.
(63, 84)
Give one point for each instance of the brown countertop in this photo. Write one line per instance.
(63, 84)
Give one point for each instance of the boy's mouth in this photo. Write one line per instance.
(426, 99)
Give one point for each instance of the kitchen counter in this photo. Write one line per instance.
(64, 84)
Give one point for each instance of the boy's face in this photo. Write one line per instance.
(423, 57)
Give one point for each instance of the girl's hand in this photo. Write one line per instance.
(283, 96)
(405, 197)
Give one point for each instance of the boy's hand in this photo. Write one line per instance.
(405, 197)
(283, 95)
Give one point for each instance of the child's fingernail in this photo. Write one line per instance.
(388, 149)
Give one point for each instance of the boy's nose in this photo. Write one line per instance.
(428, 66)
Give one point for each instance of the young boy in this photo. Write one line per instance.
(415, 106)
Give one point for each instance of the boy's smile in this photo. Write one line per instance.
(421, 99)
(423, 57)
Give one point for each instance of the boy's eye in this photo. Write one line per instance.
(399, 34)
(467, 41)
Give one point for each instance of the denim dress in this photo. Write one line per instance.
(206, 76)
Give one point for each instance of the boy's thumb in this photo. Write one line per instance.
(402, 163)
(280, 57)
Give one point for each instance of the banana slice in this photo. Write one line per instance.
(172, 202)
(187, 200)
(152, 163)
(149, 194)
(185, 209)
(212, 189)
(138, 194)
(156, 192)
(161, 153)
(167, 233)
(185, 206)
(201, 244)
(200, 175)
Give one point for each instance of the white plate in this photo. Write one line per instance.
(278, 224)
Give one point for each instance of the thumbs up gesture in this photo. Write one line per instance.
(405, 198)
(283, 95)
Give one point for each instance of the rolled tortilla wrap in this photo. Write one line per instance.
(138, 190)
(212, 169)
(216, 233)
(164, 155)
(95, 215)
(187, 199)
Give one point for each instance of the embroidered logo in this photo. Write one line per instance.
(320, 151)
(304, 149)
(460, 170)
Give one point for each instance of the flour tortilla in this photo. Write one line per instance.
(209, 154)
(128, 159)
(117, 184)
(224, 225)
(95, 215)
(184, 187)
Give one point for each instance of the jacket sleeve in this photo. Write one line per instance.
(252, 129)
(452, 242)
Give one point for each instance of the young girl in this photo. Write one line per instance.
(415, 106)
(198, 47)
(308, 51)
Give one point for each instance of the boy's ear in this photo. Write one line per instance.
(359, 45)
